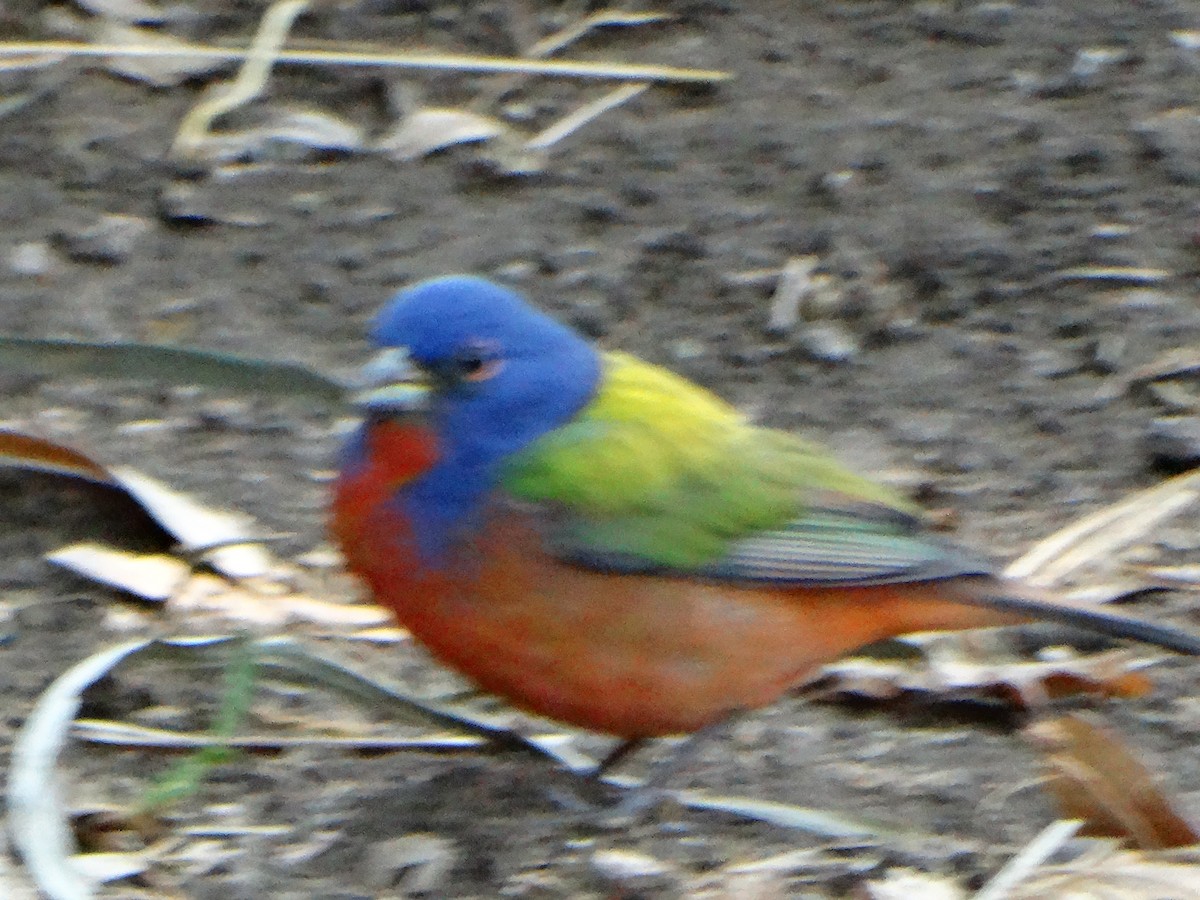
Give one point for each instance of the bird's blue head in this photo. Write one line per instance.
(493, 373)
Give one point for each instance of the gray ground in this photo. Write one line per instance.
(951, 165)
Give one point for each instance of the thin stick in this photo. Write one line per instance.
(250, 81)
(431, 61)
(580, 117)
(550, 45)
(1105, 531)
(1036, 852)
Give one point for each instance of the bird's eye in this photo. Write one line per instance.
(477, 362)
(470, 364)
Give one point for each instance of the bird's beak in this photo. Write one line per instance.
(389, 384)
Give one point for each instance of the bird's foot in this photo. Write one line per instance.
(606, 802)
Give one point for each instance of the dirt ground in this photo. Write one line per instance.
(1003, 195)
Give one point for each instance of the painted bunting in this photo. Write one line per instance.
(602, 542)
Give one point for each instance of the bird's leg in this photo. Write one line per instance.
(592, 794)
(618, 755)
(592, 797)
(642, 798)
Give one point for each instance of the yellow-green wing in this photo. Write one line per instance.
(658, 475)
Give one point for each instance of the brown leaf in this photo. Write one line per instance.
(1097, 779)
(35, 454)
(195, 526)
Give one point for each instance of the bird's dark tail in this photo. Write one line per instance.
(1024, 600)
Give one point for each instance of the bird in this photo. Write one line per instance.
(604, 543)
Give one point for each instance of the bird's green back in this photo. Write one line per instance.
(659, 474)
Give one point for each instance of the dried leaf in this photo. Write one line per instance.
(1109, 875)
(783, 815)
(266, 601)
(198, 527)
(1096, 538)
(1175, 363)
(1169, 379)
(37, 818)
(1032, 855)
(744, 883)
(263, 591)
(229, 541)
(150, 576)
(1120, 275)
(1097, 779)
(195, 130)
(413, 864)
(949, 674)
(108, 867)
(388, 634)
(211, 594)
(604, 18)
(305, 130)
(787, 863)
(905, 884)
(1178, 578)
(162, 69)
(631, 872)
(120, 734)
(429, 129)
(1179, 396)
(312, 128)
(103, 828)
(129, 11)
(1187, 38)
(576, 119)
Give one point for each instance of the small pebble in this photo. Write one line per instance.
(1049, 362)
(794, 285)
(687, 348)
(630, 871)
(1107, 353)
(1173, 138)
(192, 203)
(416, 863)
(683, 244)
(829, 342)
(1173, 443)
(110, 239)
(32, 259)
(973, 25)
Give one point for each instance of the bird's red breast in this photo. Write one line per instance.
(392, 455)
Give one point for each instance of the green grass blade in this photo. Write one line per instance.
(166, 364)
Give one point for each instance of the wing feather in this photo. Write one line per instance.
(659, 476)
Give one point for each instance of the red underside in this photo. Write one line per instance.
(633, 656)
